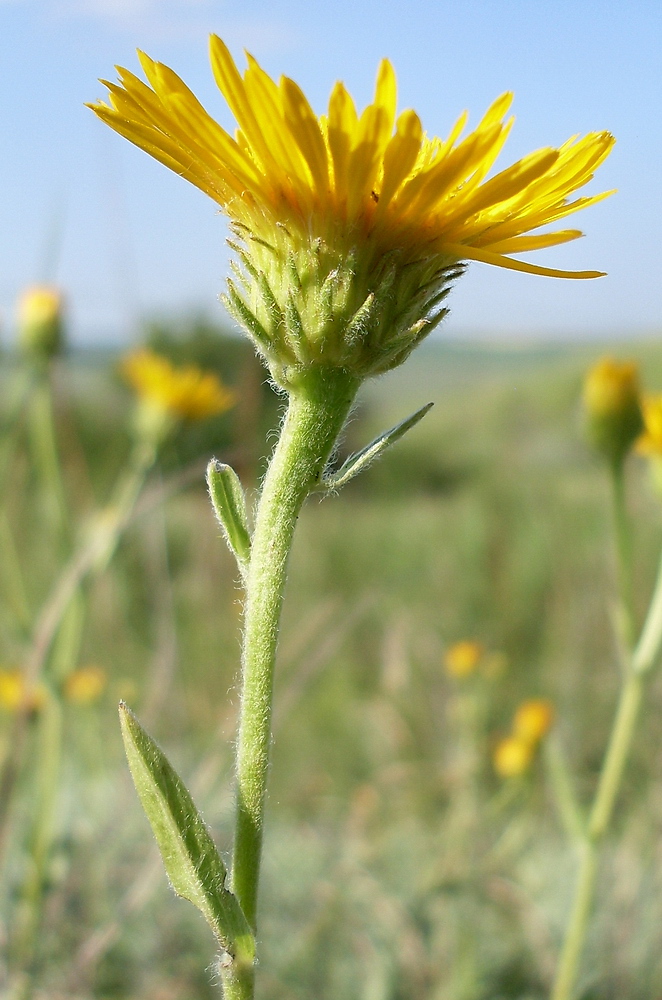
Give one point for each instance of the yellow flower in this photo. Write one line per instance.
(85, 685)
(183, 392)
(512, 756)
(40, 320)
(612, 399)
(462, 658)
(650, 442)
(11, 689)
(533, 720)
(14, 692)
(351, 225)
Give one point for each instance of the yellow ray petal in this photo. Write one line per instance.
(231, 85)
(496, 110)
(342, 125)
(386, 94)
(524, 244)
(305, 130)
(473, 253)
(167, 152)
(265, 98)
(400, 156)
(426, 191)
(507, 184)
(366, 157)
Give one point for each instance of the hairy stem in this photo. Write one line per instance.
(316, 414)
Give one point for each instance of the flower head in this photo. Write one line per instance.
(533, 719)
(184, 392)
(612, 400)
(85, 685)
(512, 756)
(15, 694)
(462, 658)
(40, 320)
(350, 226)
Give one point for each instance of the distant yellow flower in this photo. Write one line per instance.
(40, 320)
(14, 692)
(533, 720)
(612, 399)
(650, 442)
(11, 689)
(85, 685)
(352, 225)
(462, 658)
(184, 392)
(512, 756)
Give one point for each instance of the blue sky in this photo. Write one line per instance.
(126, 239)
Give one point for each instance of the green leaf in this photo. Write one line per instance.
(192, 862)
(229, 503)
(360, 460)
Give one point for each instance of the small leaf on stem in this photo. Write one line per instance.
(229, 503)
(192, 862)
(360, 460)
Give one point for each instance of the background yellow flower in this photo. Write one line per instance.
(462, 658)
(185, 392)
(512, 756)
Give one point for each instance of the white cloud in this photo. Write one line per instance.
(174, 20)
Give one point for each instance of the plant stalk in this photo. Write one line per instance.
(315, 417)
(92, 556)
(640, 662)
(609, 783)
(623, 537)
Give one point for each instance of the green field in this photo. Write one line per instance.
(398, 866)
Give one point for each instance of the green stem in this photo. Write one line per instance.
(92, 556)
(640, 663)
(623, 555)
(46, 454)
(19, 392)
(573, 945)
(316, 414)
(564, 793)
(650, 640)
(12, 576)
(601, 813)
(48, 756)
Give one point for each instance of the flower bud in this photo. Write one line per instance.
(85, 685)
(40, 321)
(533, 720)
(15, 693)
(169, 394)
(512, 757)
(462, 658)
(612, 400)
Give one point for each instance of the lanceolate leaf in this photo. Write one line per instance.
(360, 460)
(229, 503)
(192, 862)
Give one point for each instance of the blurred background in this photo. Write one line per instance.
(402, 863)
